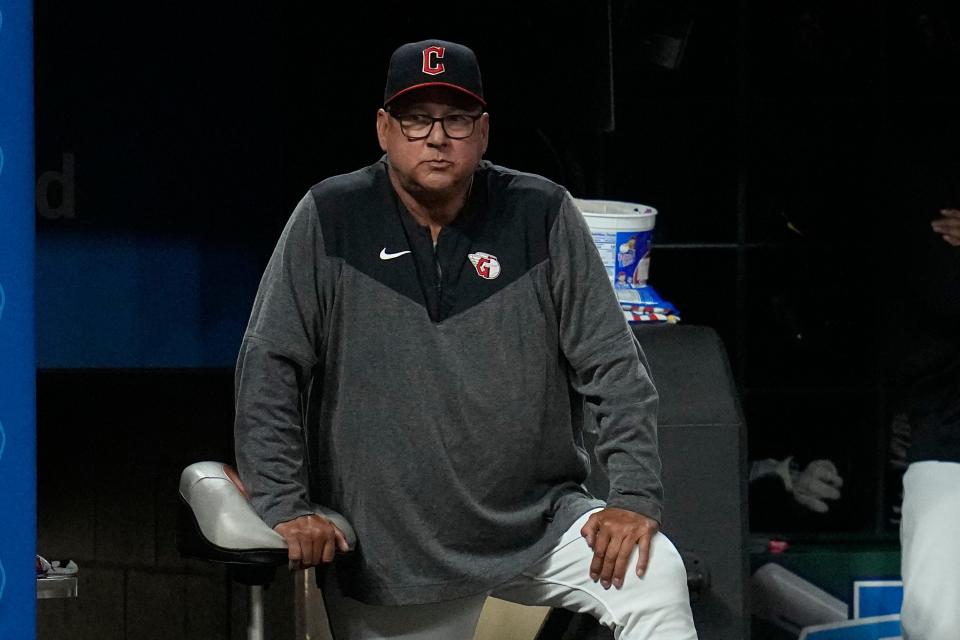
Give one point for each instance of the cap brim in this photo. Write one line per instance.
(436, 84)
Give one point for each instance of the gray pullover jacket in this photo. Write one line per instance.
(440, 391)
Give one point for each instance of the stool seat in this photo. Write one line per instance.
(217, 523)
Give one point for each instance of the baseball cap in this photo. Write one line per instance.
(433, 63)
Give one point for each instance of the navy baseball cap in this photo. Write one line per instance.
(433, 63)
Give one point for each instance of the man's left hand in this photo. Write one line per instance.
(612, 534)
(948, 226)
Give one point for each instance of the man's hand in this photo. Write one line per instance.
(612, 534)
(311, 540)
(948, 226)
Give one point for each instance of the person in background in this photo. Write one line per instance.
(919, 303)
(930, 379)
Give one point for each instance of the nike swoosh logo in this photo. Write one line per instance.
(390, 256)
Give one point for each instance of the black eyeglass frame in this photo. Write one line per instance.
(434, 121)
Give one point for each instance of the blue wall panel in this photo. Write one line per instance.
(17, 377)
(128, 299)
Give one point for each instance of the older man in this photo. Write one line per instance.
(443, 320)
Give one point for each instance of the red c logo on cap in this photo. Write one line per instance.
(431, 60)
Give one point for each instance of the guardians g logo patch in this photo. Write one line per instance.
(487, 266)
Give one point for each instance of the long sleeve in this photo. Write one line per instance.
(275, 364)
(608, 364)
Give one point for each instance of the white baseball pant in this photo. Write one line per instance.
(930, 541)
(654, 606)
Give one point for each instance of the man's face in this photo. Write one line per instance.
(435, 166)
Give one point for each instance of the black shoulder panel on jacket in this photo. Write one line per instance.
(511, 216)
(359, 218)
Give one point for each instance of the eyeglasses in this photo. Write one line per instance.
(417, 126)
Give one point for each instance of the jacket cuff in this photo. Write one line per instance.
(637, 504)
(284, 513)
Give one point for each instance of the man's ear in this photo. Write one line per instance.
(484, 132)
(382, 123)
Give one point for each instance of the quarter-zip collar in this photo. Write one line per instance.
(440, 266)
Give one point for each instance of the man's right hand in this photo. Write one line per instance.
(311, 540)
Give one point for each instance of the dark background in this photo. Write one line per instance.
(784, 145)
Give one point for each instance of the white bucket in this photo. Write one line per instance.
(623, 232)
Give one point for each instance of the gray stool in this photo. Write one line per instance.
(218, 524)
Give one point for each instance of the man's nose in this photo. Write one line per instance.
(438, 137)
